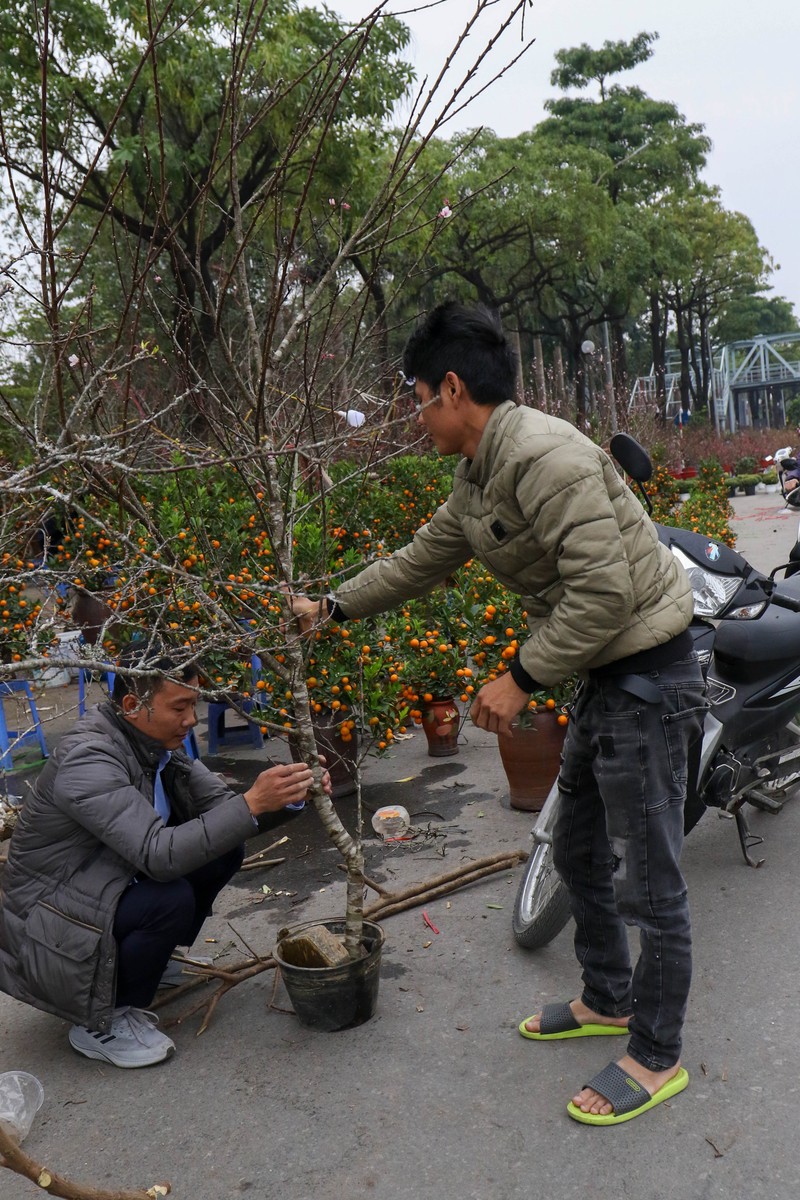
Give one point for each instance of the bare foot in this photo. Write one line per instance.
(590, 1101)
(583, 1015)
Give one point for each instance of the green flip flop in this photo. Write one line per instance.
(629, 1098)
(557, 1022)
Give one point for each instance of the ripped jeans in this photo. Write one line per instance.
(617, 846)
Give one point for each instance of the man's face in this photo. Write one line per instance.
(169, 713)
(436, 414)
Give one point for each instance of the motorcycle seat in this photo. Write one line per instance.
(742, 648)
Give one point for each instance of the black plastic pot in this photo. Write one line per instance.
(331, 998)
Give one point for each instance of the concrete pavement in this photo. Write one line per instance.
(438, 1095)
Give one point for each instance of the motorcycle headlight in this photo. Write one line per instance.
(712, 593)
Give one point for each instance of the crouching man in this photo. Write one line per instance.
(117, 858)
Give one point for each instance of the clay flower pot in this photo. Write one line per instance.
(531, 756)
(440, 721)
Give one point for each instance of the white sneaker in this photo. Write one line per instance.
(132, 1040)
(175, 972)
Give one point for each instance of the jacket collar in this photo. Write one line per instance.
(482, 465)
(148, 751)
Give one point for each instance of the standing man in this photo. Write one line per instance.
(545, 510)
(117, 858)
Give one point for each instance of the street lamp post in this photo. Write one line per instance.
(587, 350)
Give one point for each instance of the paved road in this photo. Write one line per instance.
(438, 1096)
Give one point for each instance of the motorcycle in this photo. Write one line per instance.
(746, 634)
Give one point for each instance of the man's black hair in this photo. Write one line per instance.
(471, 343)
(160, 668)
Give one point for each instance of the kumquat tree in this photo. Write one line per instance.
(199, 392)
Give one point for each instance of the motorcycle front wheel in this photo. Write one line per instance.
(541, 909)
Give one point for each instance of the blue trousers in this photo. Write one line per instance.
(617, 846)
(153, 918)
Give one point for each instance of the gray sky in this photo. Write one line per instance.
(731, 65)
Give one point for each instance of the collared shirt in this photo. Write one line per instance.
(160, 798)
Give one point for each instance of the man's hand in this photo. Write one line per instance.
(309, 612)
(278, 786)
(327, 786)
(497, 703)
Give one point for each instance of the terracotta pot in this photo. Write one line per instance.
(531, 756)
(440, 721)
(340, 756)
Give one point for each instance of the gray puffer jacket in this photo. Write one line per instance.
(545, 510)
(88, 827)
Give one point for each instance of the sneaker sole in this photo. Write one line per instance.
(100, 1056)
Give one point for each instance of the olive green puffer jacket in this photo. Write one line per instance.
(545, 510)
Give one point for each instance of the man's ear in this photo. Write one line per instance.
(453, 386)
(130, 704)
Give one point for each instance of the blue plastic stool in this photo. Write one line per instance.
(232, 735)
(235, 735)
(13, 739)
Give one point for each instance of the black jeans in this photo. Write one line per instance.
(617, 846)
(153, 918)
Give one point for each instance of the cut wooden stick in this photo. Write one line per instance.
(432, 889)
(259, 854)
(15, 1159)
(263, 862)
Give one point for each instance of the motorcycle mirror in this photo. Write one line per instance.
(633, 458)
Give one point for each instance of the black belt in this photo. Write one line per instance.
(627, 673)
(653, 659)
(637, 685)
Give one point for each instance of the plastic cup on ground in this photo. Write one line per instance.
(21, 1097)
(391, 822)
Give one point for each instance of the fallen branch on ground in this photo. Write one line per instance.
(263, 862)
(389, 904)
(15, 1159)
(422, 893)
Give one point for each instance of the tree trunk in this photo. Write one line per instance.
(560, 383)
(684, 350)
(540, 384)
(519, 395)
(658, 344)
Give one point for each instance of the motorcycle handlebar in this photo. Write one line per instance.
(784, 601)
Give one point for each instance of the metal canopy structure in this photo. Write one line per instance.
(748, 382)
(753, 375)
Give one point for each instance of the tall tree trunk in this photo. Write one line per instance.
(539, 375)
(619, 362)
(520, 382)
(684, 349)
(560, 383)
(658, 345)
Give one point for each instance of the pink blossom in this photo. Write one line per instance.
(332, 202)
(446, 211)
(345, 206)
(73, 360)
